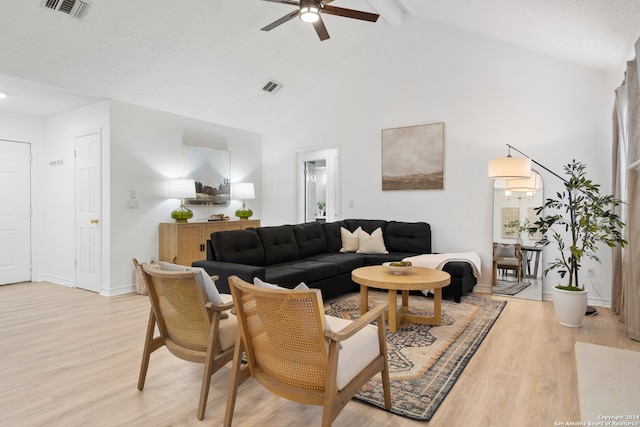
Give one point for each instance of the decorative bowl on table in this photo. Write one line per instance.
(398, 267)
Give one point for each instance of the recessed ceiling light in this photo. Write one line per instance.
(3, 95)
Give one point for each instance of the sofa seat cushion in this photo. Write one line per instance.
(315, 270)
(285, 275)
(377, 259)
(279, 244)
(310, 238)
(238, 246)
(346, 262)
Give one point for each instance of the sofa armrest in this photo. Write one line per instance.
(226, 269)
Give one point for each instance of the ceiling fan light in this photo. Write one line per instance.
(309, 13)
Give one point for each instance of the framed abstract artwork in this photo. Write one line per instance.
(413, 157)
(210, 168)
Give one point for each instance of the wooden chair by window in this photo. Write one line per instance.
(507, 257)
(190, 327)
(297, 352)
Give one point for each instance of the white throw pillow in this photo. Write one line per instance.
(209, 286)
(371, 243)
(261, 283)
(350, 241)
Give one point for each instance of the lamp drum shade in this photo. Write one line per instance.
(243, 191)
(531, 184)
(181, 189)
(510, 168)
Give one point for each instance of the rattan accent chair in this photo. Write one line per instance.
(296, 352)
(507, 257)
(190, 327)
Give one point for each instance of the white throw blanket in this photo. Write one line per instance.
(439, 260)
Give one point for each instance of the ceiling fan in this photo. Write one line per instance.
(310, 10)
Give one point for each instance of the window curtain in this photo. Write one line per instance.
(626, 186)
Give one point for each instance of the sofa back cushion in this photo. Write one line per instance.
(279, 244)
(368, 225)
(332, 235)
(310, 238)
(238, 246)
(413, 237)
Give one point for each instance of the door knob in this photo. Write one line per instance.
(94, 221)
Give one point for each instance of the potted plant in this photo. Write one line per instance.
(590, 222)
(518, 227)
(321, 206)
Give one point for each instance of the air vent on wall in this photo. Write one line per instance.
(74, 8)
(272, 87)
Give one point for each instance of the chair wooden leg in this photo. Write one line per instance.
(238, 376)
(148, 349)
(209, 369)
(386, 388)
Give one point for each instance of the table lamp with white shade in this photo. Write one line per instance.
(181, 189)
(243, 191)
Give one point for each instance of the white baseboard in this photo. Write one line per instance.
(119, 290)
(55, 280)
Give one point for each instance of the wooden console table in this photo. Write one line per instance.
(185, 242)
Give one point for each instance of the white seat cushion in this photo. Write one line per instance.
(356, 352)
(228, 327)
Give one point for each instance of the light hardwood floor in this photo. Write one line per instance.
(71, 358)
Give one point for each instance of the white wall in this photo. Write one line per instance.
(141, 149)
(486, 92)
(146, 151)
(55, 193)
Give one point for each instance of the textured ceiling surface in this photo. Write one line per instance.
(208, 59)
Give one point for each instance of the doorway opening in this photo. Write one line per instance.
(317, 192)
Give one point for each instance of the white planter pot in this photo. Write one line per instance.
(570, 306)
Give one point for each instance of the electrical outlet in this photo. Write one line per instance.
(591, 273)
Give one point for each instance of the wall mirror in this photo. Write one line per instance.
(514, 204)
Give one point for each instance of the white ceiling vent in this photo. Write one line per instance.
(74, 8)
(272, 87)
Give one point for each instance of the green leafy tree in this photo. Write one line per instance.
(577, 220)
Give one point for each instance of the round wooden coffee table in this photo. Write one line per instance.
(418, 278)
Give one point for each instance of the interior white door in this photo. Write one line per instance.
(88, 211)
(15, 212)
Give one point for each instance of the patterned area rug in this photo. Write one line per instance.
(506, 287)
(424, 361)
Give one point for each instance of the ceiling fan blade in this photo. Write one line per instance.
(291, 2)
(281, 21)
(350, 13)
(321, 29)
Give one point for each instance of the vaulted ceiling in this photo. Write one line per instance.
(208, 58)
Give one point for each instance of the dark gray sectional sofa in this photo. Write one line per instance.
(289, 254)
